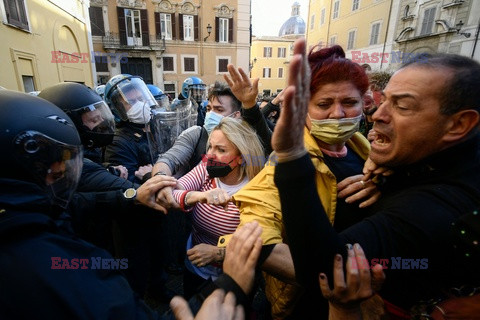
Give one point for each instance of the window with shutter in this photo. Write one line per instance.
(195, 28)
(428, 21)
(336, 10)
(333, 40)
(187, 27)
(267, 52)
(96, 21)
(122, 28)
(170, 90)
(230, 30)
(222, 65)
(355, 5)
(101, 65)
(374, 33)
(28, 83)
(158, 29)
(16, 13)
(168, 64)
(223, 30)
(174, 30)
(267, 72)
(166, 26)
(135, 28)
(180, 26)
(145, 35)
(189, 64)
(351, 40)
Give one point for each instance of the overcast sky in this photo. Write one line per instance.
(269, 15)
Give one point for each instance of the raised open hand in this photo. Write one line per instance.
(287, 139)
(242, 87)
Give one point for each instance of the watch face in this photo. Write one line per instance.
(130, 193)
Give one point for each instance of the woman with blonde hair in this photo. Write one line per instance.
(234, 156)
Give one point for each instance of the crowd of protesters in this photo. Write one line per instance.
(348, 195)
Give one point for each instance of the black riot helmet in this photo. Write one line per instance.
(39, 145)
(90, 114)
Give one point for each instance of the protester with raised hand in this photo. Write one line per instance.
(338, 151)
(427, 132)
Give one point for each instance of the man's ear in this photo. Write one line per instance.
(461, 124)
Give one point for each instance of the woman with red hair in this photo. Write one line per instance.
(338, 152)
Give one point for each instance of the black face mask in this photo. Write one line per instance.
(218, 169)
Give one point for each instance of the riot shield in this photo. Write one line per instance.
(167, 124)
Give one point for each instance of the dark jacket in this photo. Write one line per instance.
(94, 154)
(98, 200)
(266, 110)
(95, 177)
(36, 283)
(411, 227)
(129, 149)
(255, 119)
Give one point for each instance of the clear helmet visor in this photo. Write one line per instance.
(198, 92)
(97, 118)
(133, 93)
(98, 124)
(54, 166)
(163, 103)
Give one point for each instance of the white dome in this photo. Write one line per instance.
(295, 25)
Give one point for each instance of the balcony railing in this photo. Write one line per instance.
(121, 41)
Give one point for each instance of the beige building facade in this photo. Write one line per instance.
(44, 42)
(270, 58)
(362, 27)
(383, 34)
(450, 26)
(167, 41)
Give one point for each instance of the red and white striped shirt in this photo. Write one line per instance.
(209, 221)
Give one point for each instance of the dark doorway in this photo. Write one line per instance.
(139, 67)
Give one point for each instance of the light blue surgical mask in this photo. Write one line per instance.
(212, 119)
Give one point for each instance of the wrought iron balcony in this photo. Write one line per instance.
(121, 41)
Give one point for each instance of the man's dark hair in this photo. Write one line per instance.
(462, 91)
(222, 89)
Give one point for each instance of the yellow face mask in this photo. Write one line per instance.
(334, 131)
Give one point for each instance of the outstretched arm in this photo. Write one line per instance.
(246, 90)
(305, 220)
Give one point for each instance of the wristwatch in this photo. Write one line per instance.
(160, 173)
(130, 193)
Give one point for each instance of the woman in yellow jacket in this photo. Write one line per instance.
(338, 152)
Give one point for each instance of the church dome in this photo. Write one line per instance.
(295, 25)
